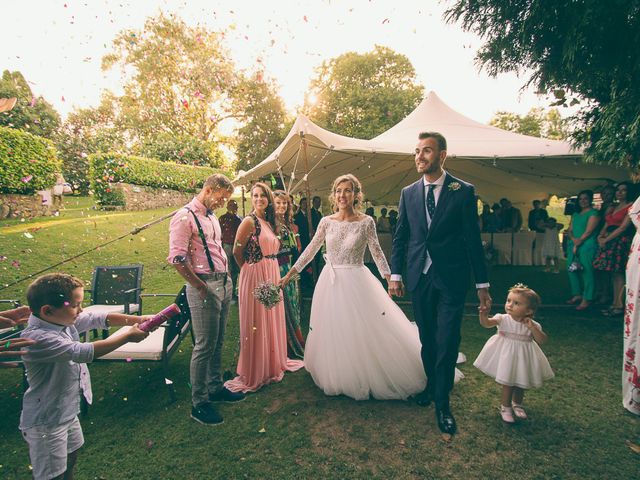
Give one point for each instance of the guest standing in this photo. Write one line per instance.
(581, 249)
(383, 225)
(614, 242)
(263, 337)
(204, 266)
(229, 223)
(631, 349)
(288, 254)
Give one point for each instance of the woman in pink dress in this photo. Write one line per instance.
(263, 336)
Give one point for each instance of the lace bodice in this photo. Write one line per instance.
(346, 242)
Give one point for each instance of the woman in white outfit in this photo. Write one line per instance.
(360, 343)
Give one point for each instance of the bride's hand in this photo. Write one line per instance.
(285, 280)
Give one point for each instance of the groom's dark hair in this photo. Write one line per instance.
(442, 142)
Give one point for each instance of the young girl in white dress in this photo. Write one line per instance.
(360, 343)
(512, 356)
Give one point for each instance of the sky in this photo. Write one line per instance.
(58, 46)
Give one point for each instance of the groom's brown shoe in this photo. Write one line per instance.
(424, 398)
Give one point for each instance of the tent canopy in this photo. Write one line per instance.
(499, 163)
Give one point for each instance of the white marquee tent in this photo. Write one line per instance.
(499, 163)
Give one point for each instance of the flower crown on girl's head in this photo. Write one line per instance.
(532, 297)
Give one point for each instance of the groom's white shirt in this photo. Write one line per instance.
(437, 186)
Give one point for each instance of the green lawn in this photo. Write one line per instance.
(577, 429)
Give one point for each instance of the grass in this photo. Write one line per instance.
(577, 427)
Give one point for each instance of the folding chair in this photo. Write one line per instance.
(159, 346)
(116, 289)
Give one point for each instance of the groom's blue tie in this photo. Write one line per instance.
(431, 201)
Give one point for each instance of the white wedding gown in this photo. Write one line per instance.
(360, 343)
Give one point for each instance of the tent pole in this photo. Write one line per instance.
(308, 192)
(243, 212)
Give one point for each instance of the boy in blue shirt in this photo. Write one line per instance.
(57, 372)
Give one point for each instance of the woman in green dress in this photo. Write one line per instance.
(581, 249)
(287, 231)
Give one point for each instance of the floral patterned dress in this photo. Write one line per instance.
(631, 355)
(291, 293)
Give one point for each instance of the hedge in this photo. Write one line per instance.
(28, 163)
(108, 168)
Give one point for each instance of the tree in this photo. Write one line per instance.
(34, 115)
(87, 131)
(265, 122)
(184, 149)
(584, 50)
(181, 80)
(536, 123)
(362, 95)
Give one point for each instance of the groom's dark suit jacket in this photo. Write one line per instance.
(452, 239)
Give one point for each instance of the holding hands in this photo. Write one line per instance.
(396, 287)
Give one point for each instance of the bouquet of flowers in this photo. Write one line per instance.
(268, 294)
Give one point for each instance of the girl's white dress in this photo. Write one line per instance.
(551, 244)
(360, 343)
(512, 357)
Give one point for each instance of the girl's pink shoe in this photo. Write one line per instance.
(519, 411)
(507, 414)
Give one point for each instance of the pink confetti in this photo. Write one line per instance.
(305, 19)
(15, 264)
(33, 101)
(26, 179)
(62, 98)
(129, 359)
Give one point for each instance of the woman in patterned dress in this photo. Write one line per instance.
(289, 252)
(614, 242)
(263, 337)
(631, 349)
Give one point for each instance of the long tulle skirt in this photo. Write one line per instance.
(360, 343)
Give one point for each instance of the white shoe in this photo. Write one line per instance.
(507, 414)
(519, 411)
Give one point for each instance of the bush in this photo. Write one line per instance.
(108, 168)
(28, 163)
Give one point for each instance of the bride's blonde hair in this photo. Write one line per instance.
(357, 190)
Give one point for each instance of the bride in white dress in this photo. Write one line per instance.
(360, 343)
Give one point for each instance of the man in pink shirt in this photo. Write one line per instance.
(209, 290)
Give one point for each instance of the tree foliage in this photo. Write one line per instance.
(32, 114)
(536, 123)
(265, 122)
(87, 131)
(180, 80)
(362, 95)
(585, 50)
(184, 149)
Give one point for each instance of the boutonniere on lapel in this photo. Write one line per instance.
(453, 186)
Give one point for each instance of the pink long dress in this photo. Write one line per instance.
(263, 335)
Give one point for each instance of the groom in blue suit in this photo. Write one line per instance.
(437, 234)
